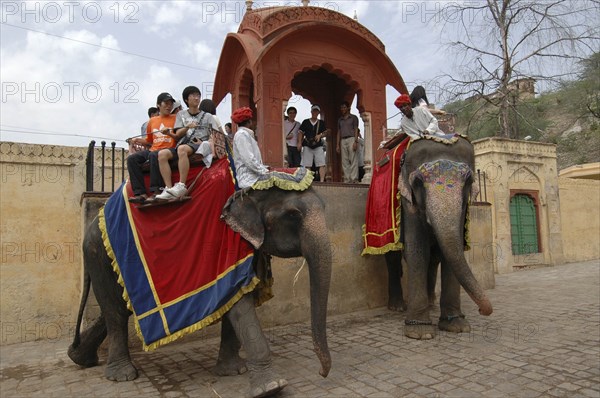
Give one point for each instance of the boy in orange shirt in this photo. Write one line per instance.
(159, 135)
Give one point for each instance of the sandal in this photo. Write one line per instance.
(138, 199)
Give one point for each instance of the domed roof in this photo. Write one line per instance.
(271, 21)
(266, 29)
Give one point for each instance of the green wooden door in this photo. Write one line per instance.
(523, 225)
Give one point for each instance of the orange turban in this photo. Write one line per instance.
(402, 100)
(241, 115)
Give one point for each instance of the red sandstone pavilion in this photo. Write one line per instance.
(320, 54)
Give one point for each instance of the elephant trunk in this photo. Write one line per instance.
(318, 256)
(446, 216)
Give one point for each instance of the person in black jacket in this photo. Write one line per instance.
(311, 133)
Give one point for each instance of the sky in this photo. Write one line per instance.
(72, 71)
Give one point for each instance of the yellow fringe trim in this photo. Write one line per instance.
(264, 292)
(384, 249)
(443, 140)
(209, 320)
(286, 185)
(113, 258)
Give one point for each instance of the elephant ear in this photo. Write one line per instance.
(404, 188)
(242, 215)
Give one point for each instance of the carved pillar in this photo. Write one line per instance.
(368, 134)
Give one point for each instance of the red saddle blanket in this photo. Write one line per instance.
(381, 231)
(181, 267)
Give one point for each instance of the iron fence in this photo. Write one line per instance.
(96, 166)
(481, 181)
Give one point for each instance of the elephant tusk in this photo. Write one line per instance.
(297, 276)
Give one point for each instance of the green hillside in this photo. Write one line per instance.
(568, 117)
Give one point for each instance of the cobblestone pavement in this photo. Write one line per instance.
(542, 340)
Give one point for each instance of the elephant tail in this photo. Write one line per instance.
(84, 349)
(87, 283)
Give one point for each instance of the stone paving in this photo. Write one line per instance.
(543, 339)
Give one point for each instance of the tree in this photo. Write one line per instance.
(496, 41)
(589, 85)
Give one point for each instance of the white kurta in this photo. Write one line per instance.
(422, 122)
(247, 158)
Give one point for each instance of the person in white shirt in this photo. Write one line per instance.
(291, 127)
(416, 121)
(246, 153)
(192, 129)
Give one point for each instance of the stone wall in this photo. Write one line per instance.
(357, 283)
(42, 217)
(41, 228)
(40, 224)
(580, 218)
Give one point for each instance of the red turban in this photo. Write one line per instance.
(402, 100)
(241, 115)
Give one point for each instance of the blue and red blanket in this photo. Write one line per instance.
(181, 267)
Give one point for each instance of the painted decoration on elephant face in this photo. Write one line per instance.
(443, 175)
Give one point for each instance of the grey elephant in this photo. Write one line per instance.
(435, 184)
(281, 223)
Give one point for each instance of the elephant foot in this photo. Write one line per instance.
(264, 381)
(84, 349)
(122, 370)
(454, 324)
(396, 304)
(230, 367)
(419, 330)
(83, 358)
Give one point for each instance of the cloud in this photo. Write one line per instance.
(83, 89)
(64, 87)
(200, 53)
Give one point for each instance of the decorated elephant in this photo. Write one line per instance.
(281, 223)
(382, 228)
(435, 184)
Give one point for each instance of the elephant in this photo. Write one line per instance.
(278, 222)
(435, 186)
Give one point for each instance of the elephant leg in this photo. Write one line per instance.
(264, 381)
(418, 325)
(451, 317)
(434, 263)
(85, 353)
(393, 260)
(118, 364)
(109, 295)
(229, 362)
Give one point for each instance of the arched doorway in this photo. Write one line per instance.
(328, 90)
(524, 224)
